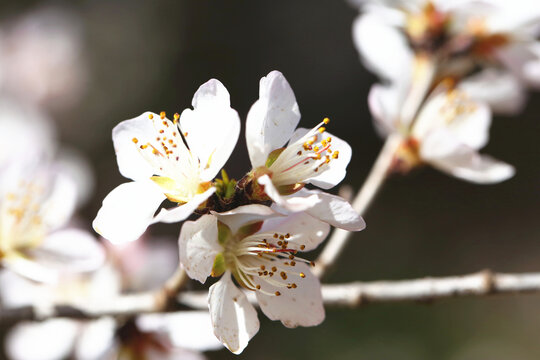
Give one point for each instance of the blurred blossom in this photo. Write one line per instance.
(174, 160)
(257, 246)
(41, 58)
(311, 156)
(37, 202)
(447, 133)
(495, 38)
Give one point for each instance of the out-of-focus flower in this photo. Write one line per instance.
(174, 160)
(36, 203)
(500, 36)
(41, 59)
(257, 247)
(311, 156)
(447, 133)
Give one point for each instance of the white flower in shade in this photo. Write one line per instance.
(447, 133)
(36, 203)
(258, 247)
(174, 160)
(285, 158)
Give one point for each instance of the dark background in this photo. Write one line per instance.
(153, 55)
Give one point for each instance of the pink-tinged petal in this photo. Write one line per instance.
(49, 340)
(502, 91)
(300, 306)
(127, 211)
(272, 118)
(199, 246)
(69, 250)
(336, 169)
(212, 127)
(96, 339)
(234, 319)
(183, 211)
(130, 161)
(245, 215)
(334, 210)
(449, 155)
(186, 329)
(291, 203)
(392, 61)
(303, 228)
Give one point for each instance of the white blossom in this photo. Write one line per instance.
(258, 247)
(174, 160)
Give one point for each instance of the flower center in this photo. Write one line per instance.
(304, 158)
(21, 225)
(177, 169)
(265, 257)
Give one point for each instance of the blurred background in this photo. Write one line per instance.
(132, 56)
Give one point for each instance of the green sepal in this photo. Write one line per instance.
(219, 266)
(225, 187)
(224, 233)
(272, 157)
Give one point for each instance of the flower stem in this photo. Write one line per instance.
(339, 239)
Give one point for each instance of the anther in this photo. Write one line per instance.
(135, 140)
(150, 116)
(302, 247)
(162, 114)
(322, 129)
(277, 293)
(326, 120)
(274, 269)
(302, 275)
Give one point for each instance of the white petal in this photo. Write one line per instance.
(337, 168)
(334, 210)
(16, 291)
(272, 119)
(385, 102)
(499, 89)
(391, 61)
(291, 203)
(69, 250)
(461, 161)
(60, 204)
(183, 211)
(245, 215)
(302, 306)
(96, 339)
(443, 112)
(304, 229)
(212, 127)
(49, 340)
(186, 329)
(127, 211)
(199, 246)
(130, 161)
(30, 269)
(234, 319)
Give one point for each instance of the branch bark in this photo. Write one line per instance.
(349, 295)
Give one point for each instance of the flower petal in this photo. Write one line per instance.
(337, 168)
(333, 210)
(272, 118)
(384, 103)
(245, 215)
(199, 246)
(96, 339)
(500, 90)
(130, 161)
(449, 155)
(234, 319)
(69, 250)
(300, 306)
(48, 340)
(29, 269)
(304, 229)
(291, 203)
(127, 211)
(186, 329)
(212, 127)
(391, 61)
(183, 211)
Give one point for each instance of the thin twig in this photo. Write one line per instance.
(339, 238)
(349, 295)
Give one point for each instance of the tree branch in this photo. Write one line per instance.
(350, 295)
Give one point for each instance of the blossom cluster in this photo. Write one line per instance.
(446, 67)
(251, 230)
